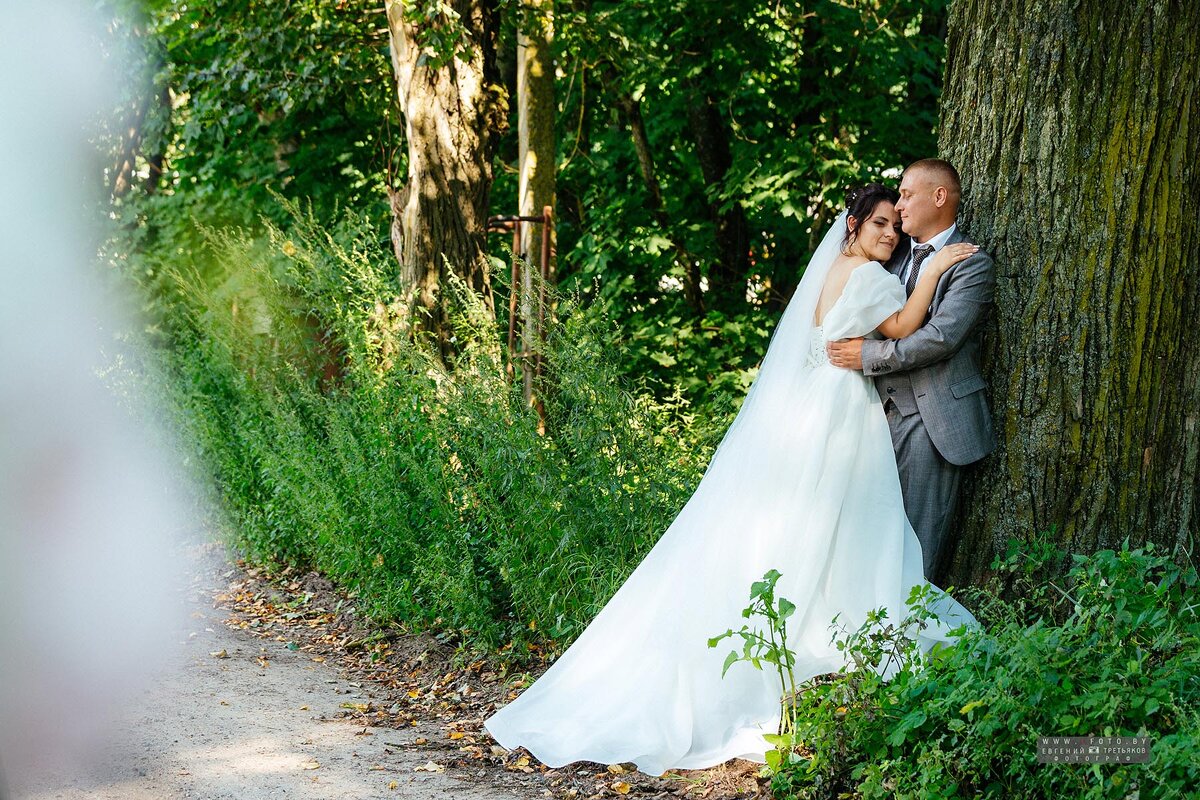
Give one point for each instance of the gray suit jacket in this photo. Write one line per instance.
(941, 359)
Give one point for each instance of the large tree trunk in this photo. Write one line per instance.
(1075, 128)
(453, 116)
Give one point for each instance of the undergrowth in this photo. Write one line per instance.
(1110, 650)
(337, 440)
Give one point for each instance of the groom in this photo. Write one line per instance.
(929, 382)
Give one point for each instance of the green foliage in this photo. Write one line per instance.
(295, 99)
(963, 721)
(811, 97)
(770, 648)
(338, 442)
(333, 440)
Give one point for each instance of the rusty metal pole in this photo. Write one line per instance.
(528, 327)
(520, 301)
(546, 222)
(512, 300)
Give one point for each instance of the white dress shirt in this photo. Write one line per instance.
(938, 241)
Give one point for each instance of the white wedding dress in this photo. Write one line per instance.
(804, 482)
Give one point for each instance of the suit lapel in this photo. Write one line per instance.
(954, 238)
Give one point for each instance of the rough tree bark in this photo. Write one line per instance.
(1074, 126)
(454, 113)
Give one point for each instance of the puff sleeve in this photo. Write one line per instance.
(871, 295)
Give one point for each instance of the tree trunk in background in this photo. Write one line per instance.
(727, 275)
(536, 165)
(123, 172)
(453, 116)
(1075, 129)
(157, 155)
(631, 113)
(535, 121)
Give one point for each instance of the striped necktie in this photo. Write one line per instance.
(920, 253)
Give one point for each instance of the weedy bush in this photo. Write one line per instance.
(1113, 651)
(339, 441)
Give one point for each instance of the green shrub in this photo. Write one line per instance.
(1114, 651)
(339, 441)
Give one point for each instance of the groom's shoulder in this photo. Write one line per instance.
(981, 260)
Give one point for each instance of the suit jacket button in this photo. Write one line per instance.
(890, 390)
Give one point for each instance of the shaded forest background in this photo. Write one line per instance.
(698, 143)
(307, 226)
(701, 148)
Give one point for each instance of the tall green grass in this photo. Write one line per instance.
(338, 441)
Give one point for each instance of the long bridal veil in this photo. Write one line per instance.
(804, 482)
(787, 363)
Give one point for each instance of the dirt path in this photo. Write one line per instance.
(256, 720)
(276, 690)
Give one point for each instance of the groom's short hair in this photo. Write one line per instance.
(942, 172)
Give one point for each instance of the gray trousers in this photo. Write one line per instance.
(929, 484)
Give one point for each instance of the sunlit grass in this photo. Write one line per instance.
(338, 441)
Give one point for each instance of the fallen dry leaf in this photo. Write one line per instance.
(460, 734)
(621, 787)
(219, 654)
(393, 786)
(616, 769)
(430, 766)
(312, 763)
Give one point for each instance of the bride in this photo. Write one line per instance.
(804, 482)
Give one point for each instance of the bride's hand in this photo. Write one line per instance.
(951, 254)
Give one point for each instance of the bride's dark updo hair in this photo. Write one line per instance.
(860, 204)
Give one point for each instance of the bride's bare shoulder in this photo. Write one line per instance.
(869, 270)
(848, 263)
(869, 265)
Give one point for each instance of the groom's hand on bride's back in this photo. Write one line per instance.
(845, 353)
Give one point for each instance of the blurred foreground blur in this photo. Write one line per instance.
(88, 504)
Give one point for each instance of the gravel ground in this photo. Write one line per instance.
(239, 716)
